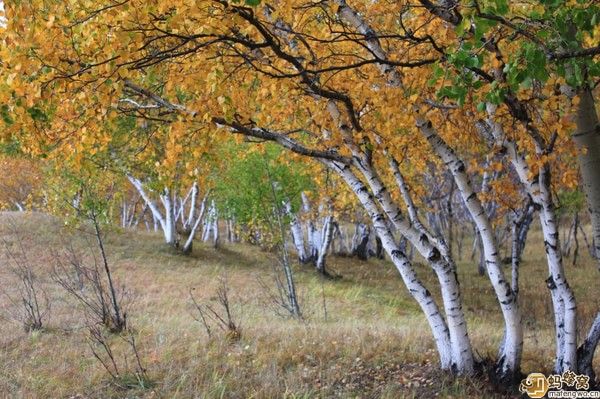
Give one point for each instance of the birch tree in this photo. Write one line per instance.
(177, 213)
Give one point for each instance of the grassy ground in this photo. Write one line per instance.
(363, 336)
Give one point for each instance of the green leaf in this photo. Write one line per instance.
(502, 7)
(463, 27)
(5, 115)
(37, 114)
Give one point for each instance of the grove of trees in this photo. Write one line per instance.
(364, 128)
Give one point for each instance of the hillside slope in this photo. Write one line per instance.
(362, 335)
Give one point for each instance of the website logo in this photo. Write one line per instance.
(565, 385)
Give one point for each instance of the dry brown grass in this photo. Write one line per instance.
(373, 343)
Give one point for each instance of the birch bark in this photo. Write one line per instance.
(416, 288)
(327, 235)
(563, 299)
(511, 349)
(587, 140)
(297, 234)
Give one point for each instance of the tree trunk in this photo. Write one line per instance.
(327, 234)
(166, 222)
(563, 300)
(587, 140)
(509, 358)
(169, 230)
(297, 235)
(187, 246)
(339, 244)
(360, 242)
(562, 295)
(416, 288)
(585, 353)
(519, 230)
(462, 356)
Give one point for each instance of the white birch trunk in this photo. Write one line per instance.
(297, 234)
(562, 294)
(206, 229)
(327, 235)
(215, 229)
(143, 217)
(462, 356)
(155, 223)
(586, 351)
(519, 229)
(166, 225)
(124, 215)
(511, 349)
(312, 232)
(354, 19)
(187, 247)
(413, 214)
(563, 299)
(169, 230)
(211, 225)
(340, 238)
(587, 140)
(192, 214)
(416, 288)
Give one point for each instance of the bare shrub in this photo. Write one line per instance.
(126, 371)
(276, 295)
(219, 316)
(30, 304)
(93, 285)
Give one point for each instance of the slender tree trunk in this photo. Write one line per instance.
(169, 230)
(119, 318)
(297, 234)
(585, 353)
(339, 238)
(562, 294)
(327, 235)
(520, 227)
(215, 225)
(292, 298)
(450, 223)
(462, 356)
(187, 246)
(359, 245)
(155, 222)
(166, 222)
(509, 358)
(563, 300)
(416, 288)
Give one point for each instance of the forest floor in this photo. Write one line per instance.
(362, 336)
